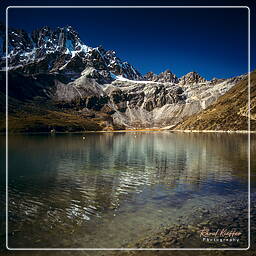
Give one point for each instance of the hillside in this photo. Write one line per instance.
(229, 112)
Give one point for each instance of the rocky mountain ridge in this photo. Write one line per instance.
(53, 69)
(60, 50)
(166, 76)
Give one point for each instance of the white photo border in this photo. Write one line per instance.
(134, 249)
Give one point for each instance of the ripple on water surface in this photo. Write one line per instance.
(113, 188)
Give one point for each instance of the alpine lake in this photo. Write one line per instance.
(127, 190)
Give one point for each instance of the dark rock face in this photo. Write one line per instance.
(18, 40)
(61, 38)
(61, 50)
(164, 77)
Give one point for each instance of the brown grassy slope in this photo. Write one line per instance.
(29, 117)
(229, 112)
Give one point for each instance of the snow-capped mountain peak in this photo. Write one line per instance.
(60, 50)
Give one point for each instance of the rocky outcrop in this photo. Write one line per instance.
(164, 77)
(150, 76)
(191, 78)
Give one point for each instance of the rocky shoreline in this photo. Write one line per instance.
(183, 235)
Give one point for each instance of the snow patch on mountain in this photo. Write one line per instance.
(61, 46)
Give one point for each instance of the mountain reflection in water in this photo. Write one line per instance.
(110, 188)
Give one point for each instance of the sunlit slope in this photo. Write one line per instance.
(229, 112)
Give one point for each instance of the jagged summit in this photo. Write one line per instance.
(61, 39)
(45, 39)
(48, 50)
(166, 76)
(191, 78)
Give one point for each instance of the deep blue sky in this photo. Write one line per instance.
(212, 42)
